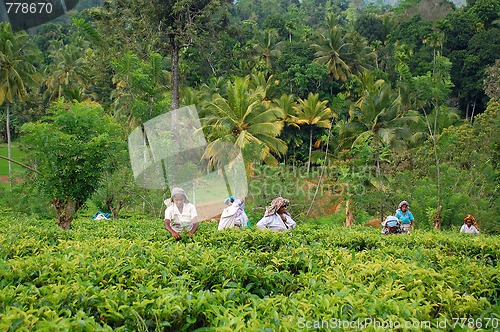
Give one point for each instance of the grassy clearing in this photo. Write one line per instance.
(16, 155)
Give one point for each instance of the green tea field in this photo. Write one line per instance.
(129, 275)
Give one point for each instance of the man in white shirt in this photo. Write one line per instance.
(181, 215)
(277, 217)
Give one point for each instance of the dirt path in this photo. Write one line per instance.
(210, 210)
(5, 179)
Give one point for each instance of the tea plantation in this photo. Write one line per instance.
(129, 275)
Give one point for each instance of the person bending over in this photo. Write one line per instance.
(392, 226)
(234, 215)
(181, 216)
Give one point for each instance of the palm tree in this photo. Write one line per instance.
(17, 72)
(245, 119)
(67, 71)
(286, 104)
(361, 56)
(374, 115)
(258, 80)
(313, 113)
(332, 51)
(376, 118)
(214, 85)
(291, 132)
(267, 47)
(434, 40)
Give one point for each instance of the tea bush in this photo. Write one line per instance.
(130, 275)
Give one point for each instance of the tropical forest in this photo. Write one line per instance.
(346, 110)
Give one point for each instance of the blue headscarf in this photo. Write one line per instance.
(241, 204)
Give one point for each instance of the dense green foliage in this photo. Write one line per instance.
(344, 108)
(388, 98)
(74, 148)
(130, 275)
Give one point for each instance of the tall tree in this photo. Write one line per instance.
(332, 51)
(376, 119)
(313, 113)
(434, 40)
(180, 21)
(244, 118)
(17, 71)
(432, 90)
(73, 151)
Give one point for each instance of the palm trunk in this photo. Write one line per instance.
(9, 147)
(310, 150)
(438, 219)
(175, 100)
(175, 72)
(380, 188)
(437, 222)
(349, 218)
(473, 110)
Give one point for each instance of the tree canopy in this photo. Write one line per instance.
(312, 83)
(74, 147)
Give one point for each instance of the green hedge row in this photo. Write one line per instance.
(130, 275)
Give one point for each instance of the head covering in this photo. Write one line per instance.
(391, 221)
(179, 191)
(471, 218)
(276, 204)
(238, 201)
(229, 199)
(404, 203)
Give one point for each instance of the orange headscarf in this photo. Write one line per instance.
(471, 218)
